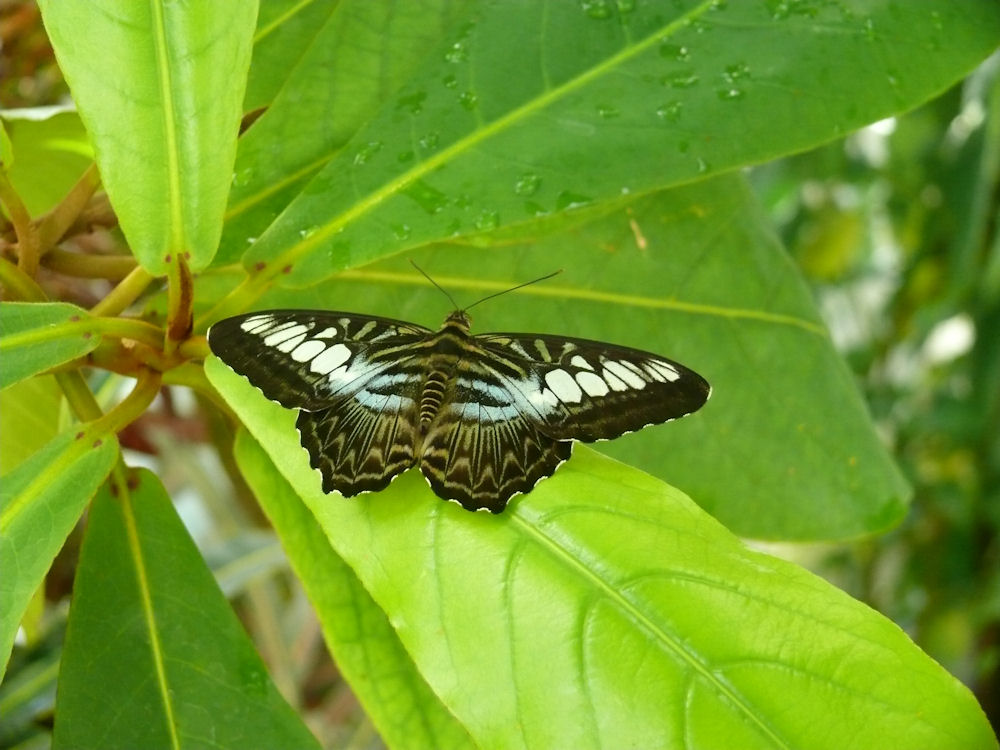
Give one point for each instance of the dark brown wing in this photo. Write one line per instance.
(309, 359)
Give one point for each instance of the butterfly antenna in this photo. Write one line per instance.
(443, 290)
(514, 288)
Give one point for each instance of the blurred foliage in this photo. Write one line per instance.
(897, 230)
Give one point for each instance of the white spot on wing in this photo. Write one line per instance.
(256, 323)
(563, 386)
(284, 334)
(580, 362)
(542, 399)
(592, 384)
(287, 346)
(625, 373)
(327, 333)
(662, 370)
(617, 384)
(330, 360)
(307, 350)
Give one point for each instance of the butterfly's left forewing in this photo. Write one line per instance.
(309, 359)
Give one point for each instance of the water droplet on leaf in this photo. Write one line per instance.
(527, 184)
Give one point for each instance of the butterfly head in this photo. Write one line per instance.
(458, 319)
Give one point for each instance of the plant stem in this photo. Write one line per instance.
(27, 234)
(53, 225)
(19, 285)
(112, 267)
(124, 294)
(80, 399)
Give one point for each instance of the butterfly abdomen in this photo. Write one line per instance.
(432, 396)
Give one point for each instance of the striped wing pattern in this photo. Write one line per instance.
(485, 417)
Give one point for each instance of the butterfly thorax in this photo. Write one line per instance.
(446, 348)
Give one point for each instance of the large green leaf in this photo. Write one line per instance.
(533, 108)
(783, 450)
(40, 502)
(36, 336)
(154, 655)
(352, 59)
(159, 86)
(605, 609)
(360, 638)
(29, 418)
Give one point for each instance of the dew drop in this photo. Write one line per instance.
(684, 80)
(568, 199)
(527, 184)
(733, 73)
(468, 100)
(607, 112)
(626, 6)
(429, 141)
(405, 156)
(450, 82)
(675, 52)
(670, 112)
(366, 152)
(401, 231)
(871, 33)
(412, 103)
(599, 9)
(456, 53)
(307, 232)
(243, 177)
(487, 220)
(429, 198)
(730, 94)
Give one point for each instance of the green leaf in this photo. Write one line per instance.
(605, 609)
(40, 502)
(159, 87)
(353, 58)
(694, 274)
(602, 99)
(50, 152)
(286, 30)
(36, 336)
(154, 655)
(360, 638)
(29, 418)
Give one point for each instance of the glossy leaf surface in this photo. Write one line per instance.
(154, 655)
(159, 85)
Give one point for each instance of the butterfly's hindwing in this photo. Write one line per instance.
(586, 390)
(481, 449)
(360, 447)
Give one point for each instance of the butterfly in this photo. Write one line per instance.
(485, 416)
